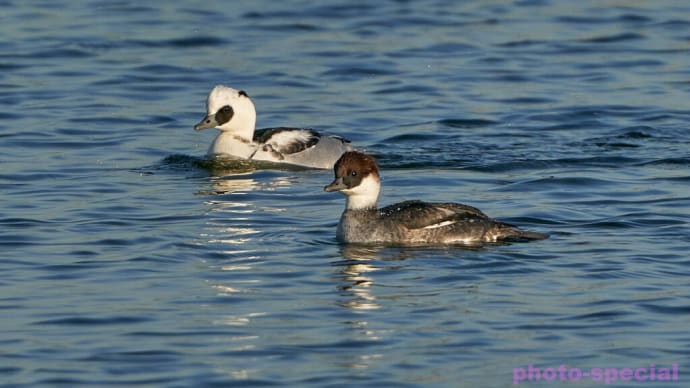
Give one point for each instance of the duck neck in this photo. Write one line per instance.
(242, 125)
(365, 195)
(232, 144)
(356, 202)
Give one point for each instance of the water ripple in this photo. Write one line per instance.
(130, 258)
(84, 321)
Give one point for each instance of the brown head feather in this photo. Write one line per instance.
(354, 161)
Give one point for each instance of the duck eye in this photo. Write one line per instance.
(353, 173)
(226, 108)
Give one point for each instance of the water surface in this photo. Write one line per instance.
(129, 259)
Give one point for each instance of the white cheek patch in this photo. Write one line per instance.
(364, 195)
(439, 225)
(369, 185)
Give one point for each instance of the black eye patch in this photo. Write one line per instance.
(352, 179)
(224, 114)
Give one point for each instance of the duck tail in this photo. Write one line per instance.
(513, 233)
(527, 235)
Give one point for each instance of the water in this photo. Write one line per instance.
(128, 259)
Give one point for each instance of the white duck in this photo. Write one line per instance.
(232, 112)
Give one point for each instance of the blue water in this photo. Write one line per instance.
(127, 259)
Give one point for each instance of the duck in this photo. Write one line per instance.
(233, 113)
(412, 222)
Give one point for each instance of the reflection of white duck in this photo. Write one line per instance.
(232, 112)
(409, 222)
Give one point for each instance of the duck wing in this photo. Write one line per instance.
(420, 215)
(285, 141)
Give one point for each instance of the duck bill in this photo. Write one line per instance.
(336, 185)
(207, 122)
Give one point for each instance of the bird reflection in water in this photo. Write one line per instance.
(356, 275)
(356, 270)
